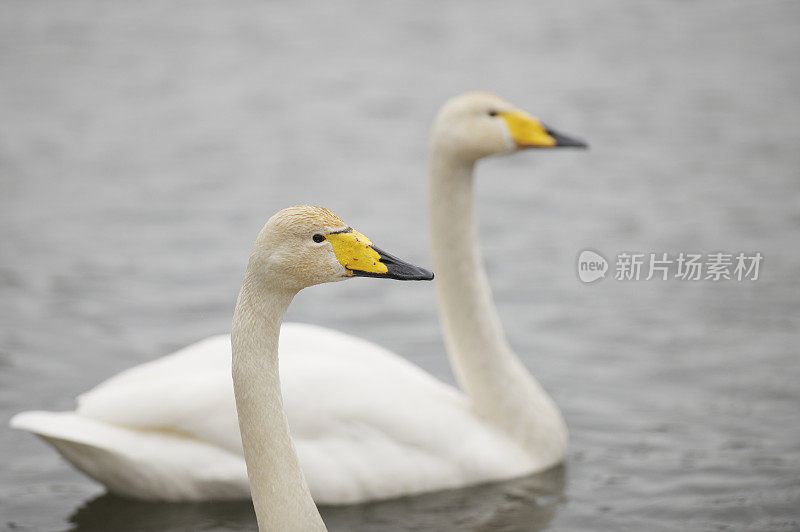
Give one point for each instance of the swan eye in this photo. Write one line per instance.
(318, 238)
(492, 113)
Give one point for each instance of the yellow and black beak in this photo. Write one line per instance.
(529, 132)
(362, 259)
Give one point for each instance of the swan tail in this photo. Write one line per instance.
(150, 465)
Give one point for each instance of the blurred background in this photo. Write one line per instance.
(143, 145)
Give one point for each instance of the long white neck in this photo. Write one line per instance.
(501, 389)
(280, 495)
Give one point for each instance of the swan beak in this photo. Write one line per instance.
(529, 132)
(361, 258)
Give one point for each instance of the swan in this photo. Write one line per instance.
(297, 248)
(367, 424)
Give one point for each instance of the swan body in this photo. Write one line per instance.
(366, 423)
(152, 424)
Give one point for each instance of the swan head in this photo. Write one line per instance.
(303, 245)
(478, 124)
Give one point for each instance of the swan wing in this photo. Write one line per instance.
(153, 465)
(368, 424)
(187, 392)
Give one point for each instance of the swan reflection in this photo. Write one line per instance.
(530, 503)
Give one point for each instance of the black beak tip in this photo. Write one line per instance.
(563, 141)
(399, 272)
(409, 272)
(578, 144)
(424, 275)
(402, 270)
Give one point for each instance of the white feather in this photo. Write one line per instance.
(366, 423)
(353, 407)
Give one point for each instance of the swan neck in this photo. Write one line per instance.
(499, 386)
(475, 339)
(280, 494)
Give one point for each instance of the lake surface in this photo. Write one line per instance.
(143, 145)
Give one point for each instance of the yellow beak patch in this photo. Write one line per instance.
(354, 251)
(527, 131)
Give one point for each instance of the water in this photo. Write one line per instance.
(143, 145)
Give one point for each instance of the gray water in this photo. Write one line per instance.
(143, 145)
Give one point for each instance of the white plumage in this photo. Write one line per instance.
(366, 423)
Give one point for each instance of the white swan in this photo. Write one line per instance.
(299, 247)
(367, 424)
